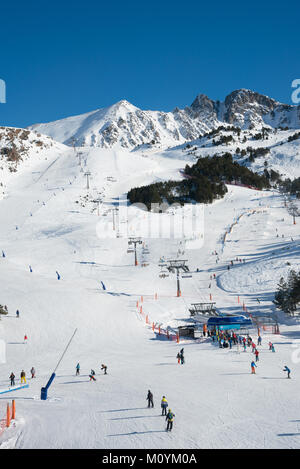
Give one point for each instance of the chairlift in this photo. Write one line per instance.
(186, 276)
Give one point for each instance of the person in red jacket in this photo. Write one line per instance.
(256, 355)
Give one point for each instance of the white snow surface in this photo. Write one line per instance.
(217, 402)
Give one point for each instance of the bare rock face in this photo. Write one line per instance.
(127, 126)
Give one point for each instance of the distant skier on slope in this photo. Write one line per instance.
(12, 379)
(18, 313)
(103, 286)
(104, 368)
(170, 418)
(253, 366)
(92, 375)
(149, 398)
(288, 371)
(164, 405)
(23, 377)
(77, 369)
(32, 371)
(58, 276)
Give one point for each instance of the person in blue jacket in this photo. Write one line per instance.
(288, 371)
(77, 369)
(253, 366)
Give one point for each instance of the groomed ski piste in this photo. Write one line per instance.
(216, 401)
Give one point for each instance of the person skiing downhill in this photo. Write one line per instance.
(170, 418)
(149, 398)
(164, 405)
(253, 366)
(178, 358)
(18, 313)
(77, 369)
(256, 355)
(104, 368)
(288, 371)
(92, 375)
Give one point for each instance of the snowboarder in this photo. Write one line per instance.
(164, 405)
(12, 379)
(32, 371)
(253, 366)
(104, 368)
(170, 418)
(23, 377)
(92, 375)
(77, 369)
(149, 398)
(288, 371)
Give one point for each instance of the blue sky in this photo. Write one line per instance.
(66, 58)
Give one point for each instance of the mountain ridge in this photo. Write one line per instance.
(125, 125)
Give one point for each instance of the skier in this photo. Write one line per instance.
(3, 254)
(164, 405)
(12, 379)
(253, 366)
(18, 313)
(259, 340)
(30, 268)
(170, 418)
(58, 276)
(178, 358)
(287, 370)
(273, 348)
(92, 375)
(181, 357)
(149, 398)
(270, 345)
(104, 368)
(23, 377)
(256, 355)
(77, 369)
(32, 371)
(103, 286)
(25, 339)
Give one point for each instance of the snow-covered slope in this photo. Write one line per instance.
(21, 150)
(127, 126)
(217, 402)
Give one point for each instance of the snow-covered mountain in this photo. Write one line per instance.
(22, 149)
(127, 126)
